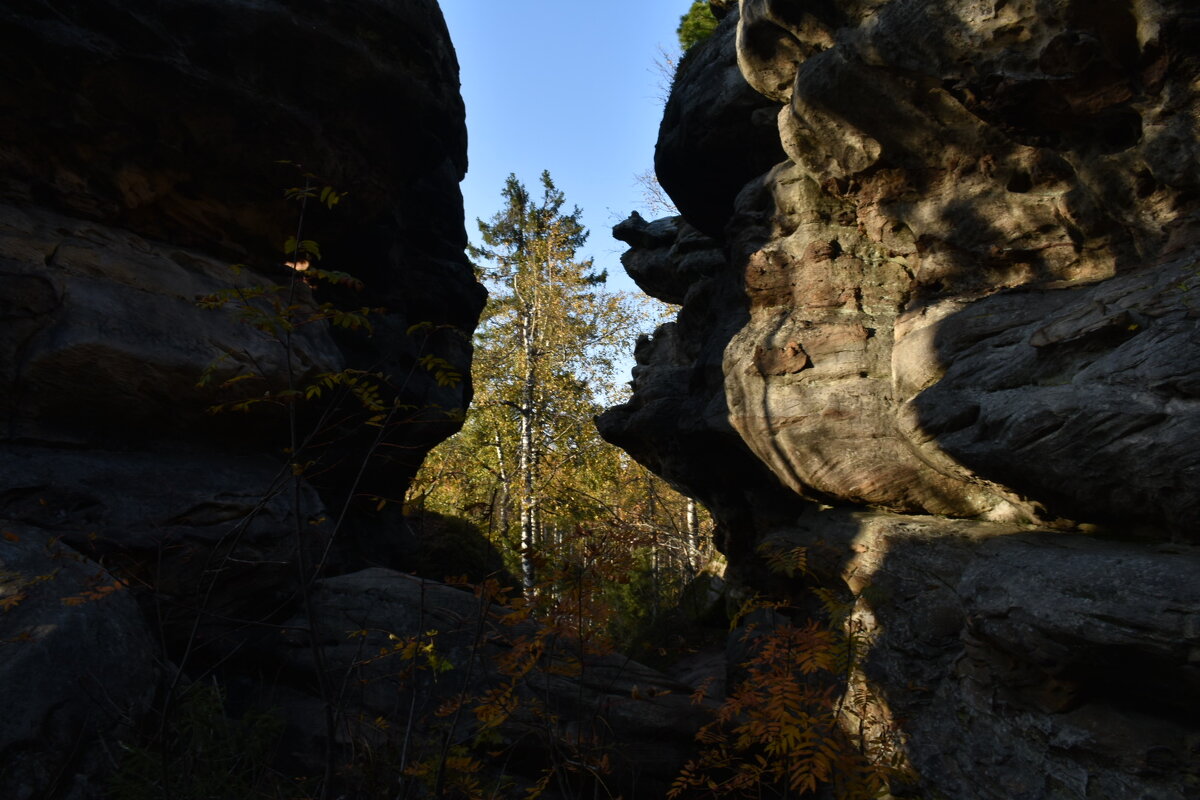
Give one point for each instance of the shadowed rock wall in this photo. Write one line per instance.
(139, 144)
(139, 148)
(949, 343)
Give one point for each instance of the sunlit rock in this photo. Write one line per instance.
(952, 353)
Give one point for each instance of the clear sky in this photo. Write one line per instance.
(569, 86)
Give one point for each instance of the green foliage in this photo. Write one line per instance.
(326, 195)
(444, 373)
(201, 754)
(528, 466)
(696, 25)
(649, 618)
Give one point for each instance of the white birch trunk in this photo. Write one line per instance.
(526, 458)
(693, 535)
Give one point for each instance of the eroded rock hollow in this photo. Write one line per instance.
(942, 328)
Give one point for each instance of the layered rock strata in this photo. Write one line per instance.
(140, 159)
(140, 147)
(949, 343)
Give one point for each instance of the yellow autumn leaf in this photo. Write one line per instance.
(12, 601)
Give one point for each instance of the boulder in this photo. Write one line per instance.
(80, 666)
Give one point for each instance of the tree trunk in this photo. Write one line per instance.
(504, 502)
(527, 460)
(693, 535)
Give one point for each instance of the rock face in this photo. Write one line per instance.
(950, 342)
(140, 147)
(706, 152)
(57, 606)
(139, 150)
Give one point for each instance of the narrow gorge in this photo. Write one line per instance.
(937, 269)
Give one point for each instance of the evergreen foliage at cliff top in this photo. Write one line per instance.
(696, 25)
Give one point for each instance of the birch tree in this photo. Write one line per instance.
(544, 344)
(529, 467)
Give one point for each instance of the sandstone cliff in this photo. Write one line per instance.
(948, 340)
(139, 144)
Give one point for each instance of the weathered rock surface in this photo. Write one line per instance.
(102, 308)
(79, 666)
(140, 145)
(1019, 662)
(968, 295)
(677, 422)
(140, 150)
(706, 151)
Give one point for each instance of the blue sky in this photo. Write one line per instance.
(569, 86)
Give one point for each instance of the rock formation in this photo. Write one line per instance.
(80, 664)
(169, 574)
(140, 149)
(139, 160)
(949, 344)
